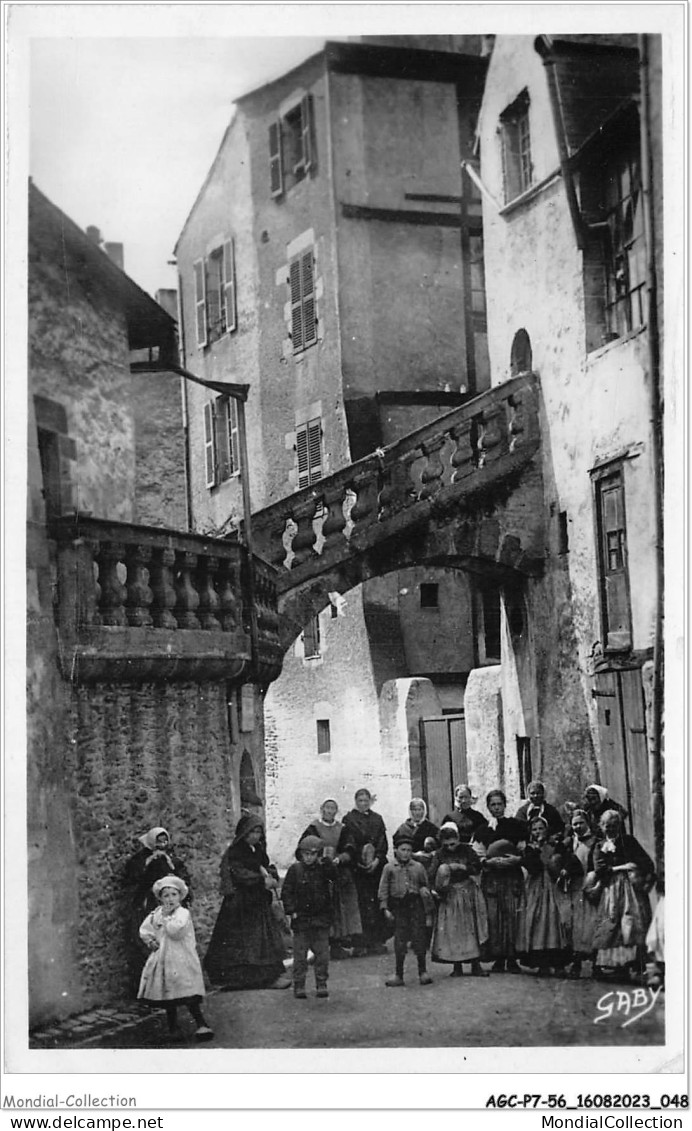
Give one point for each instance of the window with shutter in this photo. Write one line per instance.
(296, 306)
(210, 444)
(229, 290)
(612, 560)
(309, 452)
(311, 639)
(200, 302)
(306, 132)
(276, 172)
(301, 282)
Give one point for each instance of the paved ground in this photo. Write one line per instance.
(361, 1012)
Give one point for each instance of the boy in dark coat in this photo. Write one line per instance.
(307, 896)
(403, 893)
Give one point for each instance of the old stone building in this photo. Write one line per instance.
(569, 136)
(140, 702)
(333, 261)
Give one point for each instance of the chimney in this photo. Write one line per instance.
(94, 234)
(168, 299)
(115, 252)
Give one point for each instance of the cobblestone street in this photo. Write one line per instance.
(361, 1012)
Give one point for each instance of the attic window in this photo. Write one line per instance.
(291, 147)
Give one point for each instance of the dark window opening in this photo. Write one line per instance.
(615, 254)
(524, 763)
(324, 738)
(490, 603)
(429, 595)
(311, 639)
(562, 533)
(521, 357)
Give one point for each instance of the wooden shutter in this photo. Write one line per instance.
(306, 132)
(276, 171)
(210, 444)
(200, 302)
(214, 292)
(233, 436)
(296, 306)
(229, 295)
(314, 439)
(308, 299)
(302, 454)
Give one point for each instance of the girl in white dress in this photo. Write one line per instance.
(172, 975)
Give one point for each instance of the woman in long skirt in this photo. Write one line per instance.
(461, 925)
(340, 847)
(541, 942)
(627, 874)
(577, 908)
(502, 880)
(246, 949)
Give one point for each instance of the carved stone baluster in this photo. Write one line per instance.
(478, 440)
(318, 521)
(397, 489)
(515, 421)
(139, 595)
(287, 542)
(305, 538)
(491, 438)
(347, 509)
(187, 597)
(113, 592)
(89, 589)
(162, 587)
(334, 522)
(227, 584)
(364, 510)
(433, 471)
(463, 460)
(209, 603)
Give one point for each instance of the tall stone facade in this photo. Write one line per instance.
(355, 313)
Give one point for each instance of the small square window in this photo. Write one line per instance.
(324, 738)
(429, 595)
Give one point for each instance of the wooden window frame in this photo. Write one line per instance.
(515, 147)
(312, 639)
(218, 266)
(221, 440)
(324, 736)
(616, 640)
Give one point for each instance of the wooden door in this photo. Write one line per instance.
(443, 761)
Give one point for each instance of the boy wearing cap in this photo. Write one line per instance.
(307, 896)
(403, 894)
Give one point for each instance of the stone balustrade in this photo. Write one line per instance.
(140, 603)
(463, 456)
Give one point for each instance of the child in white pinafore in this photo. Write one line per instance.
(172, 975)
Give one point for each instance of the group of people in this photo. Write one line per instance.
(538, 890)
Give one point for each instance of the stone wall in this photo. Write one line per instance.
(145, 756)
(160, 490)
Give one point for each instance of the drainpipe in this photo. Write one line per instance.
(544, 47)
(656, 420)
